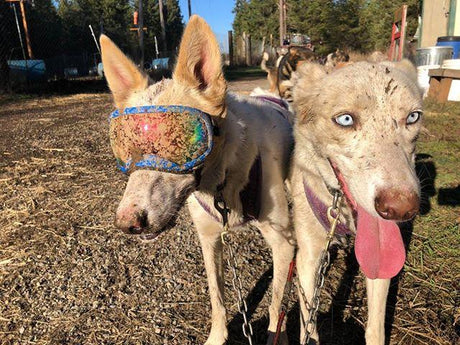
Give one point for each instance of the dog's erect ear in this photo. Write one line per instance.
(304, 81)
(199, 64)
(310, 72)
(121, 73)
(408, 68)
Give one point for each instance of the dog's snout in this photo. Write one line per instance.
(394, 204)
(131, 220)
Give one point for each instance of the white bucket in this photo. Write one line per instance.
(451, 64)
(423, 78)
(454, 92)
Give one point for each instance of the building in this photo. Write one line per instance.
(439, 18)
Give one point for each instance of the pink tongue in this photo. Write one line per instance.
(378, 246)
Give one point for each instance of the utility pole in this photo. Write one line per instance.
(282, 9)
(162, 23)
(24, 24)
(141, 33)
(189, 8)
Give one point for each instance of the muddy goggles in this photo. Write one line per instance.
(173, 138)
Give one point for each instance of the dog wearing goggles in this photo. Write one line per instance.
(186, 140)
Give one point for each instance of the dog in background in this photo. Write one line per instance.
(355, 134)
(337, 59)
(279, 75)
(251, 151)
(272, 72)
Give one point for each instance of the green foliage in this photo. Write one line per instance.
(44, 14)
(173, 26)
(314, 18)
(62, 27)
(112, 17)
(360, 25)
(256, 17)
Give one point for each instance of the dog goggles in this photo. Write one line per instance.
(173, 138)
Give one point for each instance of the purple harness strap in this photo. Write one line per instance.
(277, 101)
(320, 211)
(206, 207)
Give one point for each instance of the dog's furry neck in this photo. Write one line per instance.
(315, 170)
(231, 159)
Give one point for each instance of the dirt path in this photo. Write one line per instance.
(246, 86)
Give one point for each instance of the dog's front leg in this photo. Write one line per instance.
(283, 252)
(211, 247)
(308, 256)
(377, 292)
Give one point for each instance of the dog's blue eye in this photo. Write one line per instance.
(413, 117)
(345, 120)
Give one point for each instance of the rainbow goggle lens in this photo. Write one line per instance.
(173, 138)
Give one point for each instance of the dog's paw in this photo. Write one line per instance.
(217, 339)
(282, 340)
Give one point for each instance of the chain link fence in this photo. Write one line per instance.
(30, 47)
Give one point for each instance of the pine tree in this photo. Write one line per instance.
(174, 24)
(315, 19)
(45, 29)
(362, 25)
(259, 18)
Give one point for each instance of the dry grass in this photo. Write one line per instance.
(68, 277)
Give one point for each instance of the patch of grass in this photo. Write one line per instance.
(11, 98)
(441, 140)
(235, 73)
(432, 269)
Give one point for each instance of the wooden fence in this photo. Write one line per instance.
(247, 51)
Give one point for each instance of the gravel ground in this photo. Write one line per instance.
(67, 276)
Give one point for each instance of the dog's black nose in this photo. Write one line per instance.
(394, 204)
(131, 220)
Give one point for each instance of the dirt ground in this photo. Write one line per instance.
(67, 276)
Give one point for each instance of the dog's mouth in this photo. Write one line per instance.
(379, 247)
(153, 236)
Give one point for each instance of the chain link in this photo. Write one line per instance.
(221, 206)
(324, 261)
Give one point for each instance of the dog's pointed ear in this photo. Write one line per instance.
(408, 68)
(199, 64)
(121, 73)
(304, 80)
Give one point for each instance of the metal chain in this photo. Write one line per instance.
(324, 261)
(220, 205)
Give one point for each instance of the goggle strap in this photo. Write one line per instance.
(197, 174)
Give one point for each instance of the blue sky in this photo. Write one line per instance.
(218, 14)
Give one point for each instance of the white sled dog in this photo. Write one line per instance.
(202, 143)
(355, 134)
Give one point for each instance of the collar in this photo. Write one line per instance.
(320, 211)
